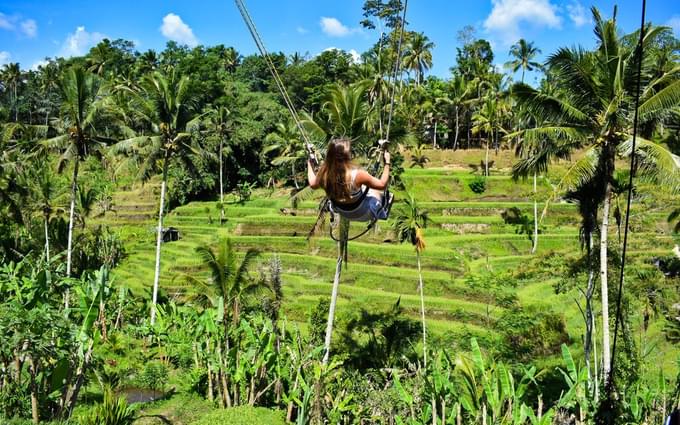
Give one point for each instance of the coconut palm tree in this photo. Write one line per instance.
(594, 110)
(408, 226)
(287, 143)
(523, 53)
(418, 55)
(164, 103)
(80, 111)
(228, 279)
(346, 111)
(46, 193)
(486, 120)
(458, 89)
(11, 76)
(49, 84)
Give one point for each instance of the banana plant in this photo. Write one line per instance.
(576, 378)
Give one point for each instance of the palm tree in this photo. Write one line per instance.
(46, 192)
(219, 119)
(524, 53)
(80, 111)
(164, 102)
(49, 83)
(408, 226)
(458, 90)
(486, 120)
(418, 55)
(11, 76)
(594, 110)
(291, 149)
(229, 280)
(231, 59)
(347, 110)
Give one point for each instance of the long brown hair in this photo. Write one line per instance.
(332, 174)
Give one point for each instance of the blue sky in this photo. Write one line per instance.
(33, 30)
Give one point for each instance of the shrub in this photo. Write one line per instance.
(529, 333)
(245, 190)
(478, 185)
(154, 376)
(112, 411)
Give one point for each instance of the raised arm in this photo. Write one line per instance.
(363, 178)
(311, 175)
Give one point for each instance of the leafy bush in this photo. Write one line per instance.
(243, 415)
(14, 401)
(112, 411)
(529, 333)
(478, 185)
(154, 376)
(244, 190)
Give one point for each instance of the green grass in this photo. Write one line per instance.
(467, 236)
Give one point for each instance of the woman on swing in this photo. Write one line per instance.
(354, 193)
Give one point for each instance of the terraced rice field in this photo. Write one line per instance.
(467, 237)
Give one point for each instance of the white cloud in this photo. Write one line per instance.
(335, 28)
(6, 22)
(38, 64)
(577, 13)
(506, 16)
(356, 57)
(29, 28)
(674, 23)
(301, 30)
(4, 57)
(78, 43)
(175, 29)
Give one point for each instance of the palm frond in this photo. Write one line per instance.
(654, 162)
(662, 101)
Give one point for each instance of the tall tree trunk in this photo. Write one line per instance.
(71, 396)
(486, 159)
(535, 241)
(606, 354)
(34, 390)
(422, 308)
(455, 140)
(331, 309)
(588, 343)
(47, 241)
(221, 182)
(69, 247)
(159, 239)
(16, 104)
(292, 169)
(211, 396)
(596, 378)
(435, 134)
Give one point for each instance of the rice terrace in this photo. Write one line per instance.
(361, 212)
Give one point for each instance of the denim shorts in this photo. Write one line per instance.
(370, 208)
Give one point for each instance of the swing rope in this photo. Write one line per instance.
(397, 67)
(275, 74)
(342, 242)
(396, 78)
(639, 53)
